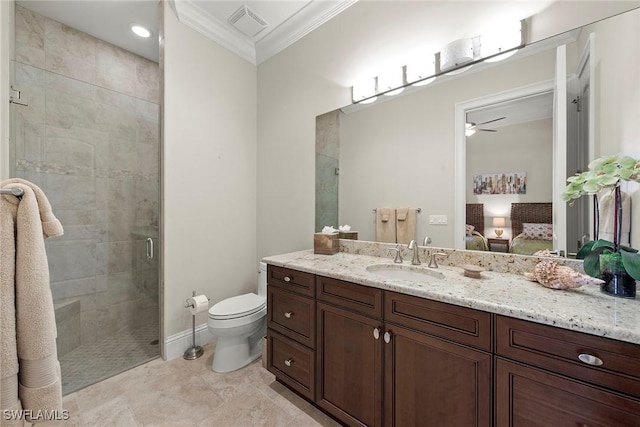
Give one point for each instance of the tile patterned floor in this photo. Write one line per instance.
(188, 394)
(90, 363)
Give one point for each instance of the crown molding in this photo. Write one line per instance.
(313, 15)
(307, 19)
(189, 13)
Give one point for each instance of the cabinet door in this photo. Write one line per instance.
(531, 397)
(349, 366)
(432, 382)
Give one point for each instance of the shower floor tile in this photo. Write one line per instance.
(90, 363)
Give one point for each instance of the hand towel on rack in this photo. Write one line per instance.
(386, 225)
(28, 346)
(406, 224)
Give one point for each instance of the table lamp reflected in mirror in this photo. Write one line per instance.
(499, 222)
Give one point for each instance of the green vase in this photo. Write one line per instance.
(617, 281)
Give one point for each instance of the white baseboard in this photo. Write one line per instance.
(175, 345)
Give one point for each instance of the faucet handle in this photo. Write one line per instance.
(433, 262)
(427, 241)
(398, 258)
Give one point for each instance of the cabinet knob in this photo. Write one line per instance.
(387, 337)
(287, 278)
(590, 359)
(288, 362)
(376, 333)
(289, 314)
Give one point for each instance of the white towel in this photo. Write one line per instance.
(386, 225)
(406, 224)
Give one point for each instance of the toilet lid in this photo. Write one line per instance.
(242, 305)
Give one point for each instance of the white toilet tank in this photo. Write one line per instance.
(262, 280)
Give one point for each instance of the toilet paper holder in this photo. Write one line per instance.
(194, 351)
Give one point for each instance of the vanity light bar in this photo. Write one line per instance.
(454, 57)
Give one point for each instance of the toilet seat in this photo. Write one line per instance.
(238, 306)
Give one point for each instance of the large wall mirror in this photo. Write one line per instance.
(402, 152)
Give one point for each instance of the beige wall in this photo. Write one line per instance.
(209, 172)
(312, 77)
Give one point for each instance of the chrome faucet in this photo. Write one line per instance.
(433, 263)
(416, 257)
(398, 258)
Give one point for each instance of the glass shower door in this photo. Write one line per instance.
(90, 139)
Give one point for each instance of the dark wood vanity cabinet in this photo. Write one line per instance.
(549, 376)
(349, 351)
(379, 358)
(415, 356)
(291, 307)
(431, 379)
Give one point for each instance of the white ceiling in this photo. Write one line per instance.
(521, 110)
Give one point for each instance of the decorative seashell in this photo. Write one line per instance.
(551, 275)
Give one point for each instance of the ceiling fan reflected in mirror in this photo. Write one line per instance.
(471, 128)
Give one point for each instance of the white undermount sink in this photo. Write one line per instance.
(405, 272)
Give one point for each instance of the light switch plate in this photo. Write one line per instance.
(438, 219)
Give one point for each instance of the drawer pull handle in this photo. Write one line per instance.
(590, 359)
(376, 333)
(289, 361)
(387, 337)
(287, 278)
(289, 314)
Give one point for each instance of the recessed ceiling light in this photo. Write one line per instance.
(140, 31)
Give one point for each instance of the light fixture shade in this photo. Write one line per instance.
(456, 53)
(499, 221)
(421, 72)
(391, 80)
(504, 38)
(363, 89)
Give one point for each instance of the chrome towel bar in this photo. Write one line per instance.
(15, 191)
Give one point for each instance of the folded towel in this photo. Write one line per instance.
(29, 334)
(386, 225)
(402, 213)
(406, 228)
(45, 397)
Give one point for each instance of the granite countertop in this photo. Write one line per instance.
(584, 309)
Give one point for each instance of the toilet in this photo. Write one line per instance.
(239, 323)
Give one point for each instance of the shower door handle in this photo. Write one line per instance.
(149, 248)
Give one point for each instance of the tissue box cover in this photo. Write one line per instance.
(326, 244)
(353, 235)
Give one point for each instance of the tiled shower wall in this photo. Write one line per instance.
(327, 168)
(90, 138)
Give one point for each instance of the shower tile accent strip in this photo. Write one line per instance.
(502, 289)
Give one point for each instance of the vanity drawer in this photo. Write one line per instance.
(459, 324)
(293, 364)
(362, 299)
(559, 350)
(292, 315)
(291, 280)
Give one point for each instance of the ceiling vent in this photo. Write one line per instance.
(247, 21)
